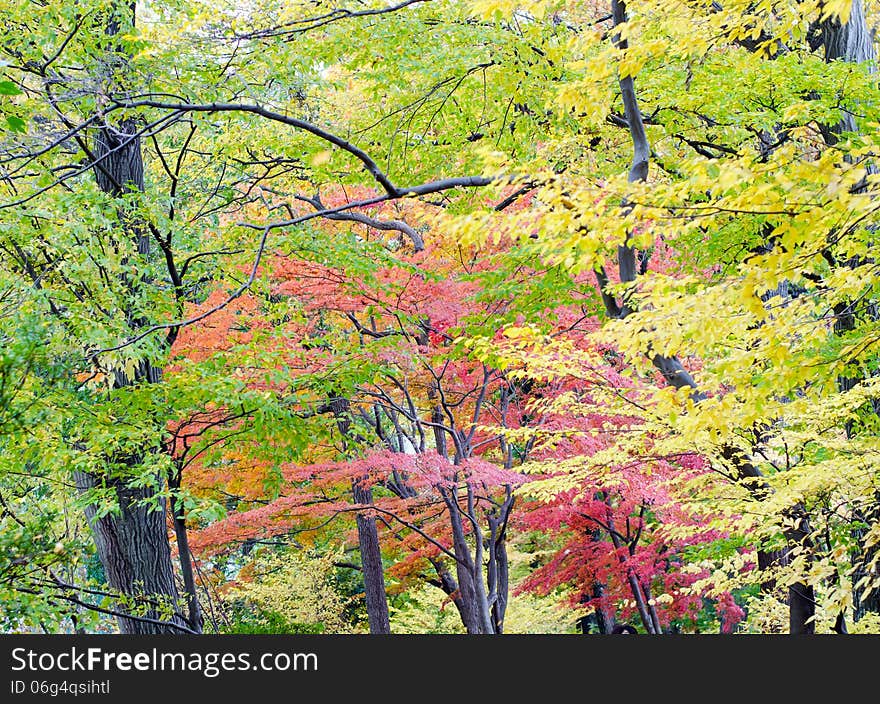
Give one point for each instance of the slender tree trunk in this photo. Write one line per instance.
(498, 574)
(184, 554)
(502, 583)
(604, 618)
(631, 578)
(463, 565)
(449, 586)
(371, 563)
(370, 550)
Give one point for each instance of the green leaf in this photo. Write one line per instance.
(16, 124)
(9, 88)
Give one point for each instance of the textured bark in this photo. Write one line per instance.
(865, 603)
(463, 567)
(481, 597)
(501, 585)
(119, 163)
(498, 572)
(133, 547)
(604, 618)
(766, 560)
(638, 172)
(371, 563)
(866, 565)
(483, 604)
(852, 42)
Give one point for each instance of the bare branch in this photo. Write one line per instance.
(371, 166)
(335, 15)
(376, 224)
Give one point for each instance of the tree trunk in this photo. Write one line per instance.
(498, 573)
(133, 543)
(368, 535)
(447, 583)
(501, 586)
(801, 608)
(371, 563)
(133, 547)
(841, 39)
(604, 618)
(464, 572)
(852, 42)
(186, 565)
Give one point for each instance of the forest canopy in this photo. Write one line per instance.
(439, 316)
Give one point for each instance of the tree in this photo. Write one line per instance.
(129, 222)
(303, 263)
(370, 348)
(760, 211)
